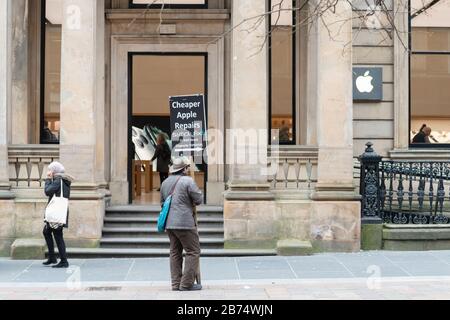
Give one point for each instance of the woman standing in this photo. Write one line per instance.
(164, 156)
(56, 175)
(182, 226)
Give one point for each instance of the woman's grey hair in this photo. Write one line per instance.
(56, 167)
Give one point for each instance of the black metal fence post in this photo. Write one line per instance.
(370, 186)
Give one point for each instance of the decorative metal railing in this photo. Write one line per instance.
(404, 192)
(28, 164)
(293, 168)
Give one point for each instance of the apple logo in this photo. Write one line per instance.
(364, 83)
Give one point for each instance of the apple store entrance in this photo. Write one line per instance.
(154, 77)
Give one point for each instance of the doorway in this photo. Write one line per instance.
(153, 78)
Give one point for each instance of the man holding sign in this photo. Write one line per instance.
(188, 125)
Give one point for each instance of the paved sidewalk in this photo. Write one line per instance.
(366, 275)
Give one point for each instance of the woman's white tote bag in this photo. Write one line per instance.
(56, 211)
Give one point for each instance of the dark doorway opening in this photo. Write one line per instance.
(153, 78)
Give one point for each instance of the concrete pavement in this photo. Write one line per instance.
(365, 275)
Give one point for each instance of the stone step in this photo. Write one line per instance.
(155, 215)
(155, 243)
(157, 209)
(151, 222)
(135, 228)
(417, 233)
(28, 249)
(416, 237)
(293, 247)
(133, 232)
(82, 253)
(153, 219)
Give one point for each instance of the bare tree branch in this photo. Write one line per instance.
(376, 10)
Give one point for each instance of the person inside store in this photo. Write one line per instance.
(163, 155)
(47, 134)
(424, 135)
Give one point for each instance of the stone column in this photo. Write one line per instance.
(335, 216)
(5, 90)
(401, 76)
(82, 112)
(19, 72)
(5, 95)
(332, 64)
(249, 206)
(249, 97)
(6, 196)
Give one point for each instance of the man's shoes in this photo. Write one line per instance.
(62, 265)
(175, 289)
(195, 287)
(50, 261)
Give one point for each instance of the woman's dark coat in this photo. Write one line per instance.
(53, 187)
(164, 156)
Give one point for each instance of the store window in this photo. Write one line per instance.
(430, 73)
(51, 71)
(282, 70)
(169, 3)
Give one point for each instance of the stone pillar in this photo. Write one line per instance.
(334, 102)
(5, 91)
(82, 114)
(19, 72)
(335, 220)
(249, 211)
(249, 97)
(6, 196)
(401, 76)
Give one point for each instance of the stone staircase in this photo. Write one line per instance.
(131, 231)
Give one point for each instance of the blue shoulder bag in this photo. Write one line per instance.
(162, 220)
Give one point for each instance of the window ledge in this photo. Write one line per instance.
(420, 154)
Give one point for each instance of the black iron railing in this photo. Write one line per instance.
(404, 192)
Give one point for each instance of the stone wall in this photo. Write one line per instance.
(374, 48)
(328, 225)
(23, 218)
(7, 226)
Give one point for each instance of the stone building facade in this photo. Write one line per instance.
(89, 44)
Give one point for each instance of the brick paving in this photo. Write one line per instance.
(355, 276)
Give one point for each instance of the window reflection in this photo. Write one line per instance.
(282, 40)
(50, 125)
(430, 75)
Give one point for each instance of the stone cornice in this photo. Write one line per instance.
(168, 15)
(249, 196)
(249, 191)
(5, 191)
(338, 192)
(294, 152)
(32, 151)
